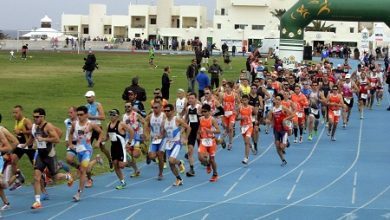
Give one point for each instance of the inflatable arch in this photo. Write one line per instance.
(301, 14)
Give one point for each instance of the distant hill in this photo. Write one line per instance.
(12, 34)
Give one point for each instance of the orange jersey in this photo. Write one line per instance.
(286, 104)
(334, 99)
(229, 102)
(206, 123)
(300, 100)
(246, 115)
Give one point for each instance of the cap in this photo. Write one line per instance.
(348, 76)
(89, 94)
(113, 112)
(130, 91)
(202, 69)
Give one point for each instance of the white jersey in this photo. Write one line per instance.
(83, 134)
(68, 125)
(180, 102)
(172, 131)
(156, 125)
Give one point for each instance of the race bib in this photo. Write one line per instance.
(193, 118)
(80, 148)
(347, 100)
(207, 142)
(373, 84)
(169, 145)
(228, 113)
(299, 114)
(41, 144)
(337, 112)
(112, 136)
(314, 111)
(157, 141)
(253, 119)
(244, 129)
(364, 96)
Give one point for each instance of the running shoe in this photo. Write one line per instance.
(178, 182)
(70, 179)
(253, 149)
(333, 138)
(121, 186)
(135, 174)
(266, 130)
(148, 160)
(6, 206)
(182, 168)
(295, 140)
(99, 160)
(315, 132)
(245, 160)
(310, 137)
(190, 173)
(89, 183)
(284, 163)
(208, 168)
(344, 125)
(111, 166)
(160, 177)
(214, 178)
(300, 139)
(76, 197)
(45, 196)
(223, 144)
(36, 205)
(230, 146)
(328, 132)
(20, 176)
(165, 165)
(16, 186)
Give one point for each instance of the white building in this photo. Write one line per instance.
(238, 22)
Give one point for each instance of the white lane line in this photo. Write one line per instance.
(62, 212)
(259, 187)
(115, 181)
(366, 204)
(168, 188)
(205, 216)
(230, 189)
(355, 179)
(244, 174)
(177, 192)
(325, 187)
(132, 215)
(354, 188)
(299, 177)
(291, 192)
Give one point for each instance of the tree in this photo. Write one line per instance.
(2, 35)
(320, 26)
(278, 13)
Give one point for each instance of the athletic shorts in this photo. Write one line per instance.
(315, 113)
(281, 136)
(174, 151)
(299, 120)
(350, 103)
(20, 152)
(208, 149)
(227, 120)
(46, 162)
(247, 131)
(193, 134)
(157, 147)
(334, 115)
(84, 156)
(118, 153)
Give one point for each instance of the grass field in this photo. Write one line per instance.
(55, 81)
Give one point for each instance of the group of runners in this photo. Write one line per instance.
(290, 102)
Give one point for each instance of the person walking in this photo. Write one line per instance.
(203, 81)
(215, 70)
(89, 67)
(139, 91)
(191, 73)
(165, 83)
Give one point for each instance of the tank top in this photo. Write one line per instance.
(83, 134)
(229, 103)
(156, 123)
(325, 88)
(68, 125)
(278, 116)
(193, 117)
(180, 105)
(314, 99)
(93, 111)
(269, 102)
(211, 103)
(19, 125)
(254, 101)
(245, 89)
(44, 148)
(363, 86)
(172, 133)
(334, 99)
(117, 139)
(347, 89)
(206, 123)
(246, 116)
(374, 82)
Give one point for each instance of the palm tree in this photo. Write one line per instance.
(278, 13)
(319, 26)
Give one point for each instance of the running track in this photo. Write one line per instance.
(346, 179)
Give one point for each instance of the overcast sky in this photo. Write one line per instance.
(26, 14)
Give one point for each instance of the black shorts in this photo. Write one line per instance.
(307, 111)
(20, 152)
(118, 153)
(193, 134)
(350, 104)
(46, 162)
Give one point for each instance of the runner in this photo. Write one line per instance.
(137, 145)
(116, 133)
(154, 126)
(364, 92)
(71, 153)
(229, 100)
(181, 103)
(256, 101)
(325, 87)
(83, 129)
(208, 145)
(348, 87)
(375, 82)
(278, 116)
(269, 101)
(301, 103)
(5, 147)
(335, 105)
(245, 116)
(315, 98)
(173, 142)
(45, 136)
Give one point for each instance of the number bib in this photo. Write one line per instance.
(80, 148)
(299, 114)
(244, 129)
(314, 111)
(337, 112)
(169, 145)
(112, 136)
(156, 141)
(228, 113)
(193, 118)
(207, 142)
(347, 100)
(41, 144)
(364, 96)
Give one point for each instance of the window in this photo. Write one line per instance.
(71, 28)
(153, 21)
(222, 11)
(137, 35)
(240, 26)
(219, 26)
(351, 30)
(137, 19)
(86, 31)
(258, 27)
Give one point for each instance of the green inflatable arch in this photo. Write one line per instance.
(304, 12)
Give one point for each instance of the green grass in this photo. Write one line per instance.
(55, 81)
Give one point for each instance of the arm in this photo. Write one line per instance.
(100, 132)
(215, 125)
(5, 145)
(70, 135)
(52, 135)
(102, 115)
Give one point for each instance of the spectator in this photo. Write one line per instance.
(192, 70)
(215, 70)
(139, 91)
(203, 81)
(137, 105)
(165, 83)
(205, 56)
(89, 67)
(234, 48)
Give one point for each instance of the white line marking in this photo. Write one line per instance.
(111, 184)
(325, 187)
(132, 215)
(299, 176)
(291, 192)
(177, 192)
(62, 212)
(168, 188)
(205, 216)
(230, 189)
(355, 179)
(260, 187)
(353, 195)
(244, 174)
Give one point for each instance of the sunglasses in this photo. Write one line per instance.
(253, 88)
(155, 107)
(207, 93)
(204, 111)
(80, 114)
(167, 110)
(127, 106)
(37, 116)
(113, 114)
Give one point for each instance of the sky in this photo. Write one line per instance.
(26, 14)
